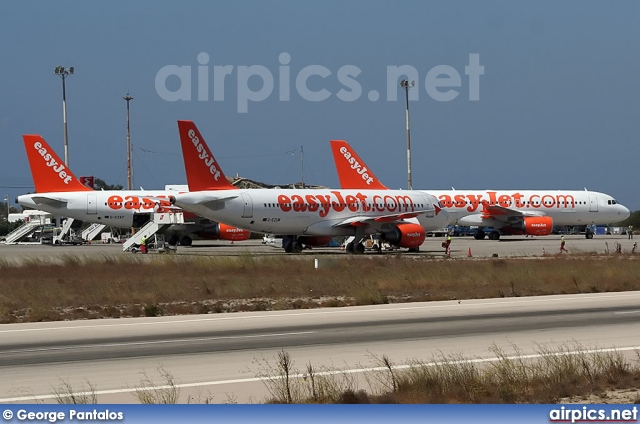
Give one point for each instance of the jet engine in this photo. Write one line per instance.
(538, 225)
(405, 235)
(220, 231)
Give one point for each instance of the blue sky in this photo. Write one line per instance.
(558, 103)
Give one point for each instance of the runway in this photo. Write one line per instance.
(220, 355)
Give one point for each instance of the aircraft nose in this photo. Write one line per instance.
(445, 216)
(624, 213)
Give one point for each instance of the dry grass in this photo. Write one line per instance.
(122, 286)
(151, 392)
(67, 394)
(553, 375)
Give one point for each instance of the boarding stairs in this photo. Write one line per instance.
(69, 233)
(67, 226)
(92, 231)
(24, 230)
(159, 223)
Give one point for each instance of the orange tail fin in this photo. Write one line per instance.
(203, 172)
(352, 171)
(48, 171)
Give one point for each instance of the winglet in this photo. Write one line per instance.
(48, 171)
(352, 171)
(203, 172)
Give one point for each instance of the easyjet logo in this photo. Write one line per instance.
(472, 202)
(234, 230)
(355, 165)
(134, 202)
(335, 201)
(203, 155)
(58, 168)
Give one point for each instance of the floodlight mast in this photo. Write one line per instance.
(63, 73)
(406, 85)
(128, 98)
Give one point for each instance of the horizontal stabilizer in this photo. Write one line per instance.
(49, 201)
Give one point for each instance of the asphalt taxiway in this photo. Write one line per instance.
(461, 247)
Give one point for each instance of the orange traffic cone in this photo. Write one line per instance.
(469, 253)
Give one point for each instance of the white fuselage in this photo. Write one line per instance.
(564, 207)
(111, 208)
(314, 212)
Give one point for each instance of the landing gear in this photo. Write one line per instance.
(494, 235)
(287, 244)
(356, 246)
(173, 240)
(479, 235)
(355, 249)
(185, 241)
(290, 244)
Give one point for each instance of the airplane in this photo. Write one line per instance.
(60, 193)
(304, 216)
(529, 212)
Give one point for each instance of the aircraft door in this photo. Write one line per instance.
(593, 203)
(248, 206)
(92, 204)
(428, 204)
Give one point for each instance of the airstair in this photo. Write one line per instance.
(92, 231)
(66, 227)
(157, 225)
(25, 230)
(69, 233)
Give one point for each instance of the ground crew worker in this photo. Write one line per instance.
(562, 242)
(447, 246)
(630, 232)
(143, 244)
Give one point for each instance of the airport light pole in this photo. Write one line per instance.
(6, 199)
(128, 98)
(406, 85)
(64, 73)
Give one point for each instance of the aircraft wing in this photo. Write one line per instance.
(55, 202)
(500, 212)
(369, 220)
